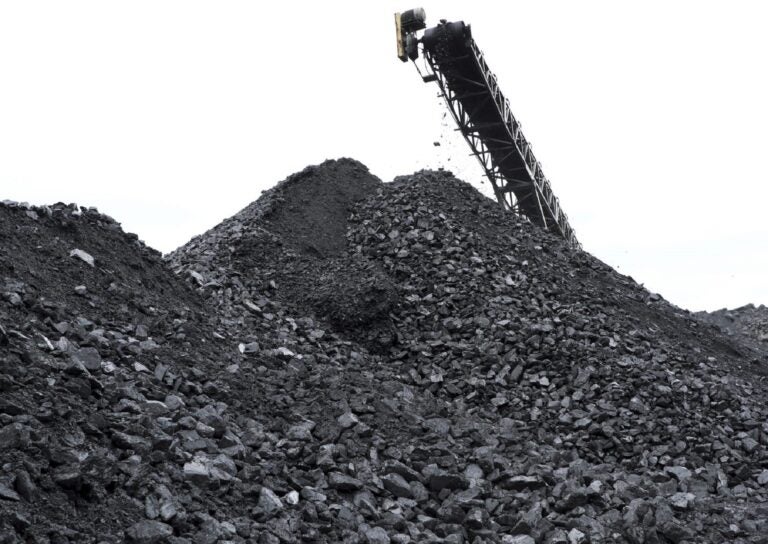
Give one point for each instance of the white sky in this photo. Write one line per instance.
(649, 117)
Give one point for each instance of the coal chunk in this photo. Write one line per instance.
(149, 532)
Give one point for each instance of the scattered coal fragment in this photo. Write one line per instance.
(149, 532)
(352, 361)
(83, 256)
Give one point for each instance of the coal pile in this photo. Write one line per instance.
(102, 350)
(748, 324)
(352, 361)
(291, 247)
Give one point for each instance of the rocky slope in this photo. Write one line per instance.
(351, 361)
(747, 324)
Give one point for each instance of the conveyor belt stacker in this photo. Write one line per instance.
(483, 116)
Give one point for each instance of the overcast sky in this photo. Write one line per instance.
(649, 118)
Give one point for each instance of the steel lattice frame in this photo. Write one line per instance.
(550, 214)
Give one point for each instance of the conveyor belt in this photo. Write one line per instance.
(486, 121)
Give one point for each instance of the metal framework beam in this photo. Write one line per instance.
(484, 118)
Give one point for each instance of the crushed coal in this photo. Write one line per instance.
(347, 360)
(292, 245)
(748, 324)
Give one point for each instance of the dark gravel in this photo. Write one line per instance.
(351, 361)
(747, 324)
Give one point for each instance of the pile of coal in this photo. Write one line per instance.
(102, 352)
(749, 324)
(352, 361)
(290, 247)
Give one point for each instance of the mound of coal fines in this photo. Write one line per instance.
(351, 361)
(292, 243)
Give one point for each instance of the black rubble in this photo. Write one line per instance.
(748, 324)
(352, 361)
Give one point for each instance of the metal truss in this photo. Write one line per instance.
(485, 119)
